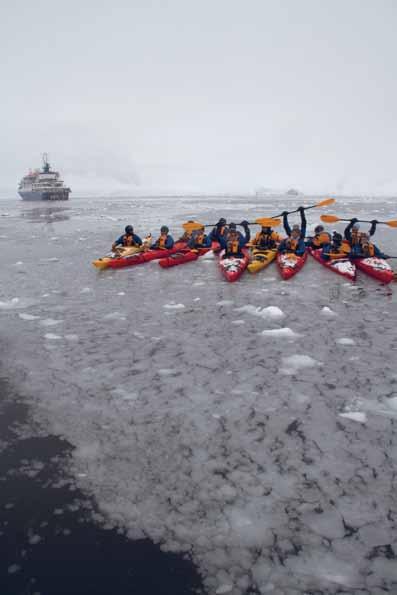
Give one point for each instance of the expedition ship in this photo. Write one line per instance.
(43, 185)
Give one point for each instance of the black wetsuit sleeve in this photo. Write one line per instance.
(286, 225)
(303, 225)
(373, 229)
(348, 234)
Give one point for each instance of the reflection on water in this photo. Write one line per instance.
(46, 214)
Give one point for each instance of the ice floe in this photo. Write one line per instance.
(25, 316)
(326, 311)
(52, 337)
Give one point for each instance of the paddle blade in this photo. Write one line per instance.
(326, 202)
(267, 222)
(329, 218)
(391, 223)
(192, 226)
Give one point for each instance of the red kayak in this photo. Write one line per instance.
(142, 257)
(377, 268)
(340, 266)
(289, 263)
(232, 268)
(185, 255)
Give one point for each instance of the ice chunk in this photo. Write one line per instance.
(268, 312)
(85, 290)
(327, 311)
(355, 416)
(115, 316)
(225, 303)
(72, 337)
(238, 322)
(28, 316)
(222, 589)
(34, 539)
(173, 306)
(50, 322)
(52, 337)
(282, 333)
(296, 362)
(345, 341)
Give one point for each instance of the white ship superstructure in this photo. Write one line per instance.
(43, 184)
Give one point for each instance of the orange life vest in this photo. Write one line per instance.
(233, 246)
(128, 240)
(320, 239)
(291, 244)
(266, 239)
(161, 241)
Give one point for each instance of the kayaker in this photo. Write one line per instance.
(165, 241)
(352, 231)
(295, 242)
(199, 239)
(219, 232)
(321, 238)
(185, 237)
(366, 249)
(129, 238)
(266, 239)
(334, 249)
(235, 240)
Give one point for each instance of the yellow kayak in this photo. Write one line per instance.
(102, 263)
(261, 259)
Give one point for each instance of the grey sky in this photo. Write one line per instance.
(201, 95)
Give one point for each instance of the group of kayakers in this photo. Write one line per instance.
(354, 243)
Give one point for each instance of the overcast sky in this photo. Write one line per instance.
(201, 95)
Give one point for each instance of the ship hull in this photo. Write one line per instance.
(49, 195)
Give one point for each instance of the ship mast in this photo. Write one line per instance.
(46, 165)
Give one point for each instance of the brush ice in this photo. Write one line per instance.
(297, 362)
(281, 333)
(359, 416)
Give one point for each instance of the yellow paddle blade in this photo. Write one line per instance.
(192, 226)
(326, 202)
(391, 223)
(267, 222)
(329, 218)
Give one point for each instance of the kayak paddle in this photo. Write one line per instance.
(335, 219)
(323, 203)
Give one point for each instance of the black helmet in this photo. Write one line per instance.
(221, 222)
(319, 229)
(129, 229)
(164, 229)
(232, 226)
(337, 237)
(266, 228)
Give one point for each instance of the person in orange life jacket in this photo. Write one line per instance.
(199, 239)
(185, 237)
(334, 248)
(127, 239)
(352, 231)
(266, 239)
(165, 241)
(366, 249)
(219, 232)
(235, 240)
(321, 238)
(296, 236)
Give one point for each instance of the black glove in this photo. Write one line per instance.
(244, 224)
(374, 221)
(284, 213)
(301, 209)
(354, 220)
